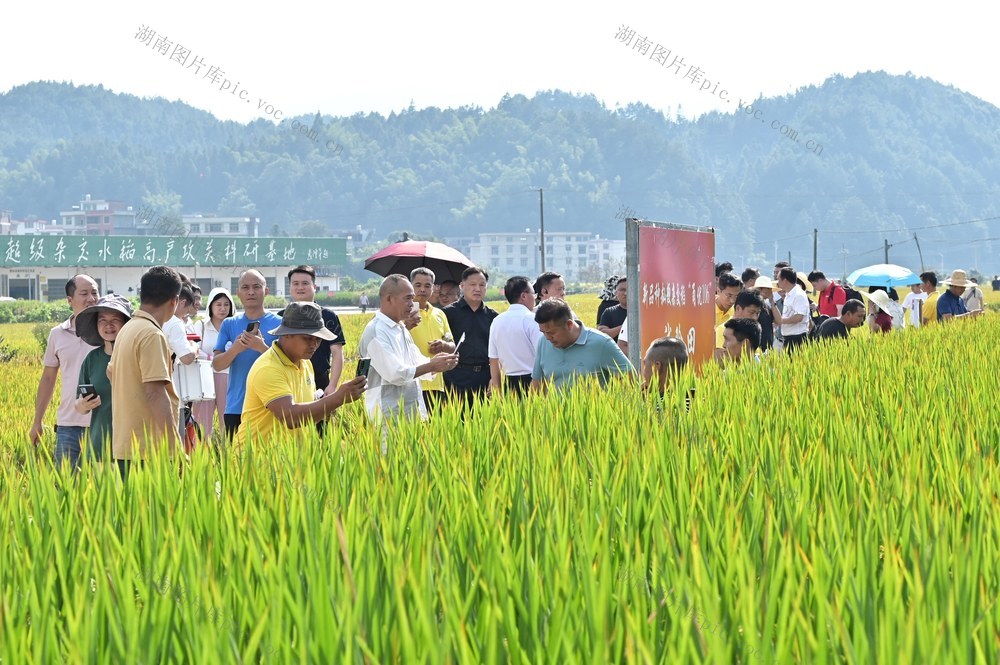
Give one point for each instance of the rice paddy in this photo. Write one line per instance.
(838, 508)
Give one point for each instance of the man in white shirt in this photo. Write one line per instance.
(175, 330)
(794, 314)
(396, 362)
(514, 339)
(914, 302)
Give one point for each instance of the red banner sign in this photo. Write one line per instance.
(677, 288)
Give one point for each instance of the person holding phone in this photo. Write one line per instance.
(396, 362)
(98, 325)
(242, 339)
(281, 386)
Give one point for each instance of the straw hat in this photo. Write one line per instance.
(764, 282)
(958, 278)
(804, 282)
(881, 300)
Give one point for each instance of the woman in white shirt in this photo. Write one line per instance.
(219, 308)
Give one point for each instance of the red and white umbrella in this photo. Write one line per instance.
(400, 258)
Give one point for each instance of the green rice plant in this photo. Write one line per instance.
(835, 507)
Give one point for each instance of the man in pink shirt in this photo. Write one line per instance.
(65, 351)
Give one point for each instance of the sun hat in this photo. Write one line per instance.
(958, 278)
(86, 321)
(215, 294)
(303, 318)
(881, 300)
(764, 282)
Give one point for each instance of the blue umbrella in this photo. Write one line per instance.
(883, 274)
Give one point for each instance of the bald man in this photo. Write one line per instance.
(396, 363)
(242, 339)
(65, 351)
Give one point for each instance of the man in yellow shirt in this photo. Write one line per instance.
(432, 335)
(728, 288)
(748, 306)
(928, 310)
(281, 387)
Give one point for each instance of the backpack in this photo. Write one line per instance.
(852, 294)
(817, 321)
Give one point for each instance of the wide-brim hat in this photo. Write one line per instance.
(804, 282)
(86, 321)
(880, 298)
(764, 282)
(958, 278)
(303, 318)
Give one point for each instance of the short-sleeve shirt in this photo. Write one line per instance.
(915, 303)
(722, 316)
(474, 352)
(614, 317)
(949, 303)
(829, 300)
(832, 328)
(272, 376)
(95, 371)
(796, 302)
(433, 325)
(929, 314)
(593, 354)
(240, 369)
(322, 358)
(514, 339)
(66, 352)
(141, 355)
(177, 337)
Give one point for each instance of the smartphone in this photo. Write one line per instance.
(85, 390)
(364, 364)
(252, 328)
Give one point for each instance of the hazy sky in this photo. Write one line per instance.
(344, 59)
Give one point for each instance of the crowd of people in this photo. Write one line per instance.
(428, 342)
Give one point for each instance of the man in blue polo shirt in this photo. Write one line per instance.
(242, 339)
(950, 305)
(571, 350)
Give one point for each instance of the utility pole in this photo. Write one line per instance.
(541, 221)
(844, 253)
(789, 257)
(815, 246)
(886, 241)
(921, 254)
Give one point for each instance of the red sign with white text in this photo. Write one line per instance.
(677, 288)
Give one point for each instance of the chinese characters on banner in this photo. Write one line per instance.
(677, 288)
(145, 251)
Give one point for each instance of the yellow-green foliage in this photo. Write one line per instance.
(839, 507)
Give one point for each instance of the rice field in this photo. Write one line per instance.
(841, 508)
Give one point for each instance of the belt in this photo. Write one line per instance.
(474, 367)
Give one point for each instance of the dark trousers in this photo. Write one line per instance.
(434, 400)
(519, 385)
(792, 342)
(232, 423)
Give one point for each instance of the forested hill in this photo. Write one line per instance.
(855, 155)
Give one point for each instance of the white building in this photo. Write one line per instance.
(569, 253)
(220, 227)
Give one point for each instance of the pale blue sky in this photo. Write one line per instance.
(344, 59)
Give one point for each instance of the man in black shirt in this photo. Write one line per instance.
(471, 317)
(851, 316)
(328, 361)
(613, 317)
